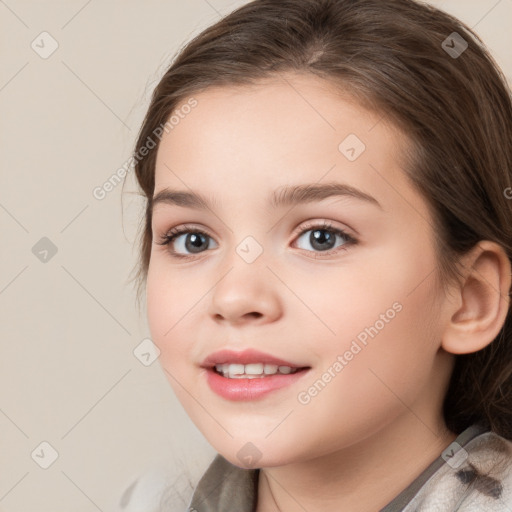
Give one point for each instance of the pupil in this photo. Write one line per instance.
(318, 238)
(194, 241)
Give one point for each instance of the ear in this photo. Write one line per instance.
(481, 301)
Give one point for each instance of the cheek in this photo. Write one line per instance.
(373, 293)
(169, 302)
(399, 343)
(375, 380)
(385, 320)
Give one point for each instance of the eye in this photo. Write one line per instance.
(187, 241)
(186, 238)
(322, 238)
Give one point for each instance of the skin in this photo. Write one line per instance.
(378, 423)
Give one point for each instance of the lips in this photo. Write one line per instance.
(247, 356)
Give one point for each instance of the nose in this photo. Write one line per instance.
(247, 293)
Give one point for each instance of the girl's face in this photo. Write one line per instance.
(355, 302)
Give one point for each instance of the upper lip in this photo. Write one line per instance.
(244, 357)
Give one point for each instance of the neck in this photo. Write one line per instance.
(364, 476)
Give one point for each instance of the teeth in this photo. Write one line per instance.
(252, 370)
(270, 369)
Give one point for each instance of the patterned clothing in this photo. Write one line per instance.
(473, 474)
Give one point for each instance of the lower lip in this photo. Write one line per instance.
(250, 389)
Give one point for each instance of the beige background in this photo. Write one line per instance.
(68, 374)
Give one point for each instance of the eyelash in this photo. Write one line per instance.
(171, 235)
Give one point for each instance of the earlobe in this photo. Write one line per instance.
(483, 300)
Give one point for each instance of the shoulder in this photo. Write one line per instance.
(477, 478)
(489, 471)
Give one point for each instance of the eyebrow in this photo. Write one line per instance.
(284, 196)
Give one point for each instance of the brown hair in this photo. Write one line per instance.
(394, 57)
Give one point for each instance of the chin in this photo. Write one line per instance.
(248, 455)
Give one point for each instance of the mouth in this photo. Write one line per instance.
(249, 375)
(239, 384)
(254, 370)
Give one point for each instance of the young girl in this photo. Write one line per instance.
(327, 257)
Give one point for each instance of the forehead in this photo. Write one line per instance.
(249, 140)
